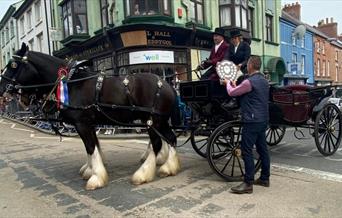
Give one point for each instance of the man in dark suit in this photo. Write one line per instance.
(216, 55)
(239, 51)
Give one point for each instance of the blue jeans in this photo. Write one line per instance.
(255, 134)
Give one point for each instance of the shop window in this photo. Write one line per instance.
(104, 12)
(148, 7)
(235, 13)
(302, 66)
(74, 13)
(104, 64)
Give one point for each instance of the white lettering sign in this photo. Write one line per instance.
(153, 56)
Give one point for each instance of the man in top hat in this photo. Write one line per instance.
(239, 51)
(216, 55)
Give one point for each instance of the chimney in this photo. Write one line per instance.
(328, 28)
(293, 10)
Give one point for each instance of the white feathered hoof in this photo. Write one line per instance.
(85, 172)
(96, 182)
(147, 170)
(163, 154)
(172, 165)
(146, 153)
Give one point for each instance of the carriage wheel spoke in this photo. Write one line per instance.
(332, 142)
(233, 166)
(240, 166)
(225, 166)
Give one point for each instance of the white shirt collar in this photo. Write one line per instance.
(218, 45)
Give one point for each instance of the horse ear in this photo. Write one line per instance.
(23, 49)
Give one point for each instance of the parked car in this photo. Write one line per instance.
(336, 101)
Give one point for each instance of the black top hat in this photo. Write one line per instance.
(235, 33)
(219, 31)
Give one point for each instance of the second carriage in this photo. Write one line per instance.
(216, 128)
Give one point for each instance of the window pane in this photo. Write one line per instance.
(166, 7)
(152, 7)
(128, 5)
(237, 16)
(80, 6)
(244, 3)
(225, 16)
(192, 11)
(199, 14)
(81, 23)
(225, 2)
(244, 18)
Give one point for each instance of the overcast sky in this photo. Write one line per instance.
(312, 10)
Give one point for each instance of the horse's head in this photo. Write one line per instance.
(18, 71)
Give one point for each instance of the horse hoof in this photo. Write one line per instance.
(172, 165)
(96, 182)
(147, 170)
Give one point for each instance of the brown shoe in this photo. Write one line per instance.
(243, 188)
(265, 183)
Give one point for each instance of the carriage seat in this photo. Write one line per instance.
(294, 101)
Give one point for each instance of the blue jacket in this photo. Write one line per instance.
(254, 104)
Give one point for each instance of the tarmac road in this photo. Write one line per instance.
(39, 178)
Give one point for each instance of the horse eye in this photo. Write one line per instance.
(14, 65)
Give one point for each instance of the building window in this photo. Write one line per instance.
(22, 26)
(31, 45)
(303, 42)
(336, 55)
(40, 42)
(302, 67)
(235, 13)
(336, 73)
(328, 68)
(74, 17)
(7, 33)
(323, 48)
(37, 10)
(293, 40)
(196, 11)
(148, 7)
(251, 20)
(294, 58)
(318, 67)
(269, 28)
(104, 12)
(3, 38)
(317, 45)
(12, 28)
(323, 68)
(29, 19)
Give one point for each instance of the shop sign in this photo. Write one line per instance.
(159, 38)
(153, 56)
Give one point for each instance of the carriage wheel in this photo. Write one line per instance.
(224, 153)
(199, 140)
(328, 127)
(274, 134)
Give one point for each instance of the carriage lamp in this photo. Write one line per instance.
(149, 122)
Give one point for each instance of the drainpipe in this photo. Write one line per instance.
(263, 34)
(47, 27)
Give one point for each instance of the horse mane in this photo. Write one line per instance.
(47, 58)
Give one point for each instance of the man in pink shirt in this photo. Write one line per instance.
(254, 96)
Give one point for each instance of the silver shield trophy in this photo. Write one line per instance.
(228, 70)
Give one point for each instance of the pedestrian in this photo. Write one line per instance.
(254, 95)
(216, 55)
(239, 51)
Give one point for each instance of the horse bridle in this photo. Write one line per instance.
(13, 82)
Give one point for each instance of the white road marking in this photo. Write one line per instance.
(318, 173)
(145, 142)
(26, 130)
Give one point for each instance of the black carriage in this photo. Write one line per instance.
(216, 129)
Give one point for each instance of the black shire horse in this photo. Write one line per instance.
(112, 101)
